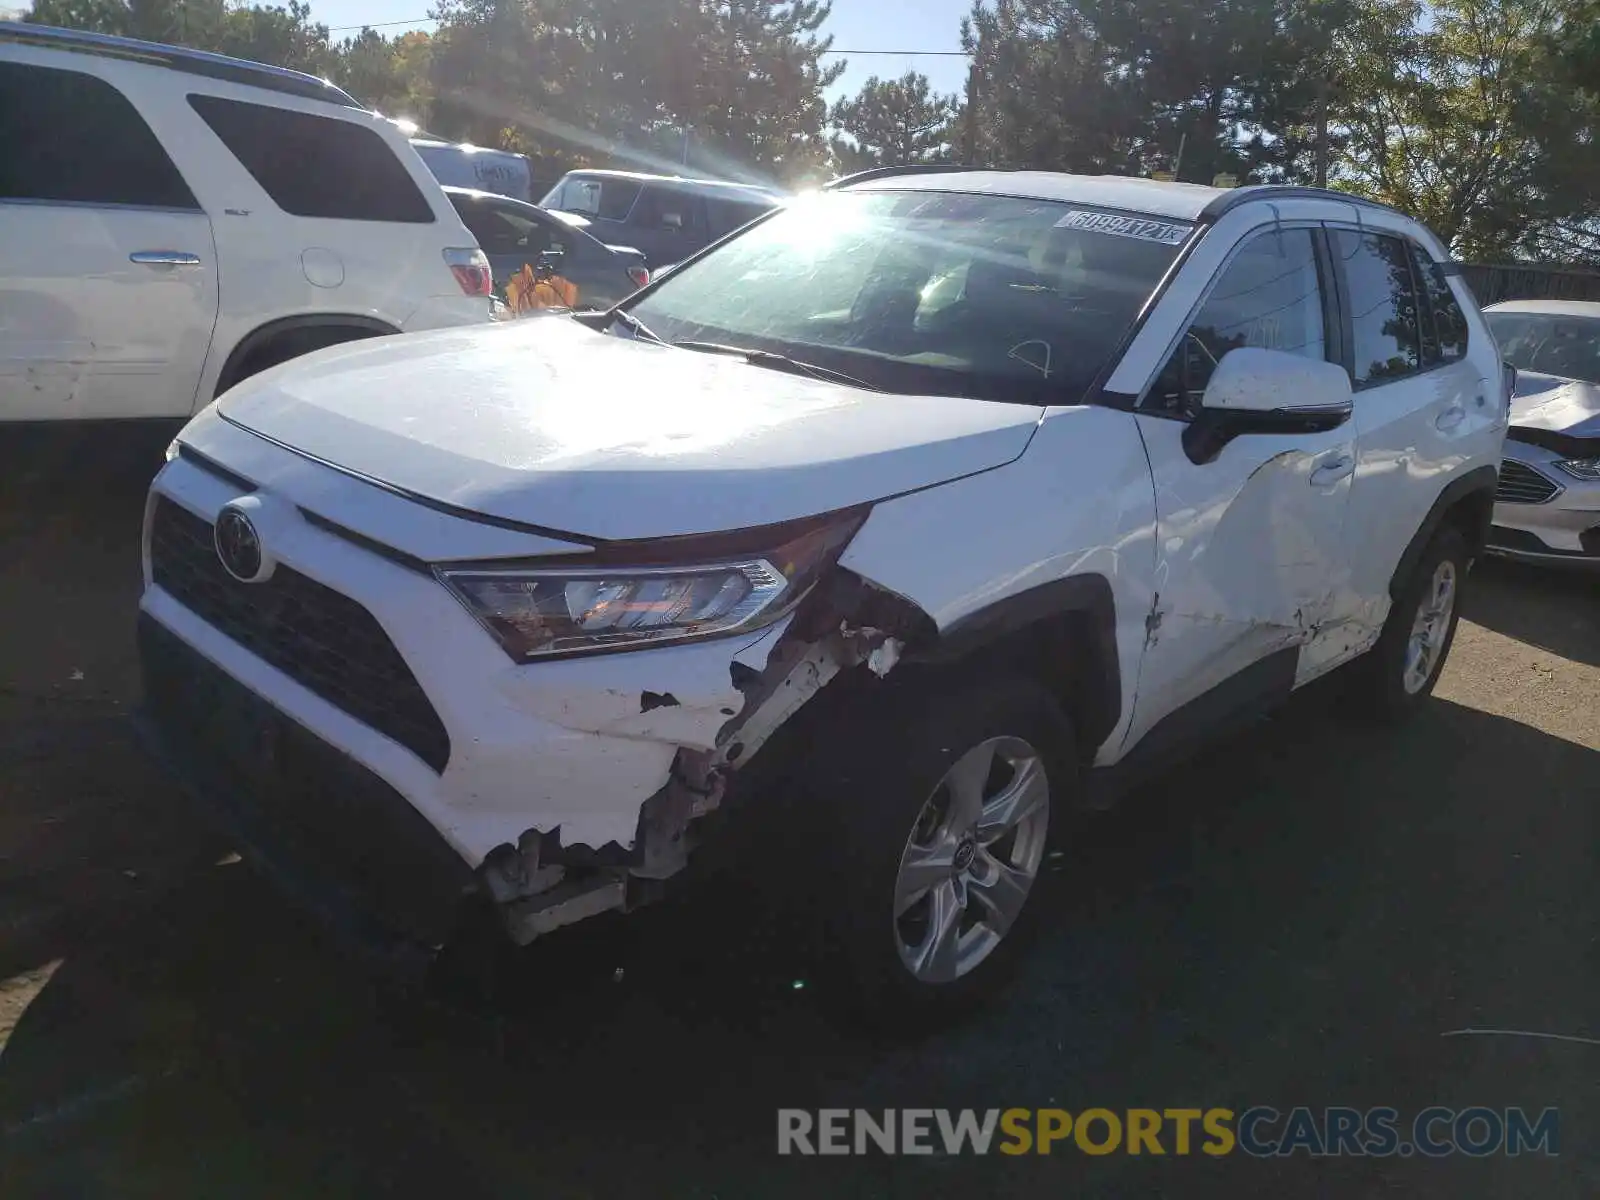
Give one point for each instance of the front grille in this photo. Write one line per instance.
(323, 640)
(336, 836)
(1521, 484)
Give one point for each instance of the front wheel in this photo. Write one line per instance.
(940, 815)
(1402, 669)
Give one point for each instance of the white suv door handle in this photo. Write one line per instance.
(164, 258)
(1331, 470)
(1450, 417)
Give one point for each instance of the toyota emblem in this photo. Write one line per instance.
(238, 545)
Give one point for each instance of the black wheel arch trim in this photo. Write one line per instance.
(263, 334)
(1087, 596)
(1476, 481)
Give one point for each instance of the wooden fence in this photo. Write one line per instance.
(1493, 282)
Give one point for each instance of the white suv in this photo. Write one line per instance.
(913, 517)
(172, 222)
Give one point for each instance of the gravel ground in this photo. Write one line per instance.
(1295, 918)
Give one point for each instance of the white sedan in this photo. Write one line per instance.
(1547, 506)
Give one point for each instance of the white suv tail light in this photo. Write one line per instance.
(470, 266)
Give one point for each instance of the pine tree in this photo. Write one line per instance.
(894, 121)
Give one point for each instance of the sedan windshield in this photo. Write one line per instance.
(1549, 343)
(918, 292)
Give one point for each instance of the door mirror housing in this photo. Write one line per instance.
(1254, 391)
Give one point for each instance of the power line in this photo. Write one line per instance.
(901, 53)
(380, 24)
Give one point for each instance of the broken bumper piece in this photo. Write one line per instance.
(558, 789)
(346, 847)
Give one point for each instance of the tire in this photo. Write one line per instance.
(1391, 685)
(888, 805)
(294, 343)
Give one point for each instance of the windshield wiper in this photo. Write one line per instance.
(777, 362)
(639, 328)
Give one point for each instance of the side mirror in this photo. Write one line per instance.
(1256, 391)
(548, 263)
(1510, 375)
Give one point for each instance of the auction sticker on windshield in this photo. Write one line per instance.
(1165, 232)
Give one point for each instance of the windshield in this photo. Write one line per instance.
(1549, 343)
(948, 293)
(592, 196)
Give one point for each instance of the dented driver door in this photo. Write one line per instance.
(1252, 571)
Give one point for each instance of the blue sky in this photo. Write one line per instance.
(855, 25)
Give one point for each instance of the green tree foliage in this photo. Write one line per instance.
(894, 121)
(392, 75)
(733, 86)
(499, 63)
(1048, 91)
(1147, 85)
(757, 93)
(181, 22)
(1475, 115)
(284, 37)
(1482, 117)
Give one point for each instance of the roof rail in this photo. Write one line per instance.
(179, 58)
(1234, 197)
(657, 177)
(890, 172)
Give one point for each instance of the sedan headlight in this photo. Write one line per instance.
(1582, 468)
(588, 605)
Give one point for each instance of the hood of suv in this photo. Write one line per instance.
(547, 423)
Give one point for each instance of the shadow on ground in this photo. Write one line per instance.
(1294, 919)
(1556, 610)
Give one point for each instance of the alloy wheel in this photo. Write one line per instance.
(1430, 627)
(971, 859)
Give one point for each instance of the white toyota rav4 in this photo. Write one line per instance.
(911, 518)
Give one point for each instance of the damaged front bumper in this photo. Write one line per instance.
(566, 787)
(327, 832)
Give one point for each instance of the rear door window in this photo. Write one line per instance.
(669, 208)
(723, 216)
(1444, 326)
(1385, 315)
(74, 138)
(503, 230)
(617, 198)
(315, 166)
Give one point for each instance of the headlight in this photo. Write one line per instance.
(1581, 468)
(587, 605)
